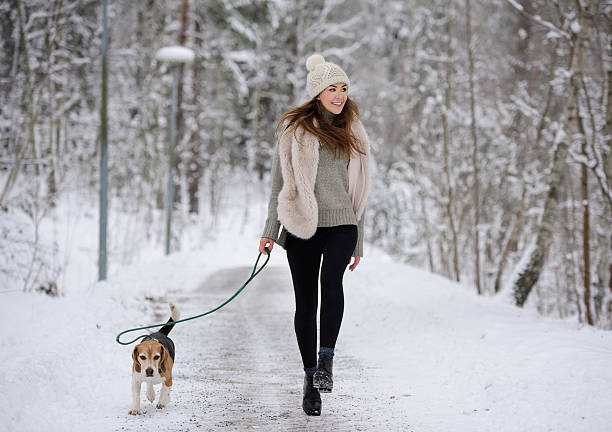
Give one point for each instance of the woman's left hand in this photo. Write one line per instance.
(356, 260)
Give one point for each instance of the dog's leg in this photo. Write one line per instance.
(135, 396)
(164, 396)
(150, 391)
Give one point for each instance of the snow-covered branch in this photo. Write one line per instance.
(537, 19)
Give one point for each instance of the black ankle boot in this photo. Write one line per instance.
(322, 378)
(312, 399)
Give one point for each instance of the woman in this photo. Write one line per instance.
(320, 181)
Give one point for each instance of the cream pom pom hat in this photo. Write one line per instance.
(322, 73)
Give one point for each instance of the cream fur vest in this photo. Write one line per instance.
(299, 160)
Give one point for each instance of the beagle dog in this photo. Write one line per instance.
(153, 361)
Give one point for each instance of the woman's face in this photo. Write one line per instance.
(334, 97)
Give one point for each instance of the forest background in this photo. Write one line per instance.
(490, 124)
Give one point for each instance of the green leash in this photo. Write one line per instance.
(253, 274)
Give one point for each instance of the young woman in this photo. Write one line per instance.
(320, 181)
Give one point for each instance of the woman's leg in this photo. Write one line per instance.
(339, 245)
(304, 258)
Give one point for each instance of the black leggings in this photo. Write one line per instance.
(336, 244)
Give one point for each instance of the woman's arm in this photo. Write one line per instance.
(272, 223)
(359, 246)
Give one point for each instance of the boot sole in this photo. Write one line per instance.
(323, 385)
(313, 412)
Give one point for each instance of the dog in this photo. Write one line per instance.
(153, 361)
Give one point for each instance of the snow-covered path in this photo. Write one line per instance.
(240, 369)
(416, 352)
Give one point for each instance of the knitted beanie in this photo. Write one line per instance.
(322, 74)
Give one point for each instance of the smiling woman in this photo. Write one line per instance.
(334, 97)
(320, 181)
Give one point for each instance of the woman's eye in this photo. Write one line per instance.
(156, 357)
(143, 358)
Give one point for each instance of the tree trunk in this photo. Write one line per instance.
(607, 133)
(256, 162)
(476, 187)
(194, 167)
(608, 171)
(180, 127)
(51, 177)
(446, 142)
(513, 239)
(28, 107)
(586, 230)
(51, 183)
(299, 45)
(530, 274)
(571, 266)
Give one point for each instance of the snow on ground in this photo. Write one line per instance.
(416, 352)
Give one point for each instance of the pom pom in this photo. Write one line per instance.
(314, 60)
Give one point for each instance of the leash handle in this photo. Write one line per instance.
(253, 274)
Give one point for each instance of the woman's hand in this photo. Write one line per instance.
(356, 260)
(265, 242)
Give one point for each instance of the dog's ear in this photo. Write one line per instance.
(135, 357)
(164, 359)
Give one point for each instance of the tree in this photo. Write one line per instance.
(475, 151)
(580, 38)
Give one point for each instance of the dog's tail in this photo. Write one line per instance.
(175, 315)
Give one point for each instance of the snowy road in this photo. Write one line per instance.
(239, 369)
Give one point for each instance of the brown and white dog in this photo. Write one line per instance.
(153, 361)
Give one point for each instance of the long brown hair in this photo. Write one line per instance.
(337, 135)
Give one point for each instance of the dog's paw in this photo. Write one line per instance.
(151, 396)
(135, 412)
(160, 406)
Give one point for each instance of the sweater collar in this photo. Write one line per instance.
(327, 116)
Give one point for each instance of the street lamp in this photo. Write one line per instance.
(173, 55)
(103, 228)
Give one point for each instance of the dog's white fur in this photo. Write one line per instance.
(165, 378)
(299, 159)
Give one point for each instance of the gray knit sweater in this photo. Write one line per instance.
(331, 192)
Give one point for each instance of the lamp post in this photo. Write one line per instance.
(173, 55)
(102, 257)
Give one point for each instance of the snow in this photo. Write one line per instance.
(416, 352)
(242, 28)
(507, 292)
(241, 82)
(560, 136)
(515, 4)
(178, 54)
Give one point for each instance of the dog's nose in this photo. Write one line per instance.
(149, 372)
